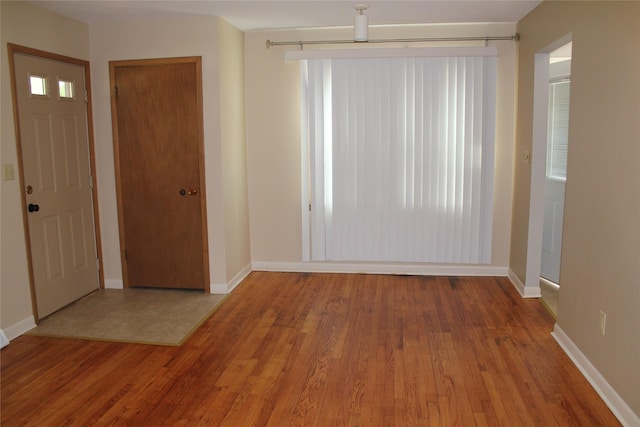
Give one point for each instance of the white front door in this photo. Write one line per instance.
(53, 134)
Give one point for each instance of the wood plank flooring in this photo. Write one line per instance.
(292, 349)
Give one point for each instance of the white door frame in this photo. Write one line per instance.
(538, 166)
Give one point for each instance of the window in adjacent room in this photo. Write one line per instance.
(558, 129)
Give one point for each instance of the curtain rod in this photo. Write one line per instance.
(301, 43)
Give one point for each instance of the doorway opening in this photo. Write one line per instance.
(552, 81)
(555, 174)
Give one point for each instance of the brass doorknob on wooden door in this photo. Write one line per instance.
(190, 192)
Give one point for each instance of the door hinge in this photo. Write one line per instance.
(309, 207)
(116, 92)
(98, 263)
(91, 181)
(86, 96)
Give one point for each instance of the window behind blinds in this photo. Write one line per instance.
(558, 129)
(400, 158)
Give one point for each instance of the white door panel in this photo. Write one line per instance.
(55, 161)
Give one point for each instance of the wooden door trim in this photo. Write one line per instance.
(14, 49)
(197, 60)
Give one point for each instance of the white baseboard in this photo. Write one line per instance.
(17, 329)
(378, 268)
(215, 288)
(227, 288)
(4, 341)
(524, 291)
(113, 284)
(613, 400)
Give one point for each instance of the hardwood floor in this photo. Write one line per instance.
(318, 350)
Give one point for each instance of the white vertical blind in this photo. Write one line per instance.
(558, 129)
(400, 158)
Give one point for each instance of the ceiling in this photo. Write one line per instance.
(249, 15)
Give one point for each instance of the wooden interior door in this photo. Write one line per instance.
(157, 116)
(54, 150)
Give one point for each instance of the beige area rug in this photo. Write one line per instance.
(144, 316)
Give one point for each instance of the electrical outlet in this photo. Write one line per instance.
(603, 322)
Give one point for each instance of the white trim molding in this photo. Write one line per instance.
(381, 268)
(524, 291)
(4, 341)
(17, 329)
(227, 288)
(613, 400)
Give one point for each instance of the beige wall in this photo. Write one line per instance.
(273, 135)
(601, 241)
(223, 128)
(33, 27)
(234, 153)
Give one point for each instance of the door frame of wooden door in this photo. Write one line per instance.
(197, 60)
(14, 49)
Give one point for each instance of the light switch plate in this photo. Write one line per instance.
(8, 173)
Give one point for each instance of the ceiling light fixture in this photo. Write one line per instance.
(361, 26)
